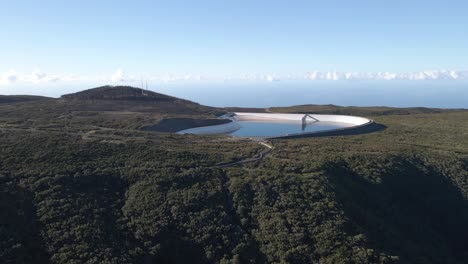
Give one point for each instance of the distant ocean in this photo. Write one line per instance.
(439, 94)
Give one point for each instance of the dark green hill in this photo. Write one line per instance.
(119, 93)
(21, 98)
(114, 107)
(131, 99)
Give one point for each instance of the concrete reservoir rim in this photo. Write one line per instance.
(230, 127)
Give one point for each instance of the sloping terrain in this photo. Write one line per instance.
(105, 107)
(130, 99)
(82, 186)
(119, 93)
(20, 98)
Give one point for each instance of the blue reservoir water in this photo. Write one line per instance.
(272, 129)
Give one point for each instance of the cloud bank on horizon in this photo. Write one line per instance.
(120, 77)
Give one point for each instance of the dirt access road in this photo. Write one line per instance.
(257, 157)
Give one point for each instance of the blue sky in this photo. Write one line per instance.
(120, 41)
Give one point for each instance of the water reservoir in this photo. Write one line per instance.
(268, 125)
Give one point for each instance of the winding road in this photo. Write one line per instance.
(257, 157)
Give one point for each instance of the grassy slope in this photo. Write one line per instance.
(118, 195)
(119, 93)
(102, 108)
(20, 98)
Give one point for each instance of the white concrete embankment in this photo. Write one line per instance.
(354, 120)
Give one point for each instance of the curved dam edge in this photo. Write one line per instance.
(353, 120)
(367, 128)
(214, 130)
(358, 125)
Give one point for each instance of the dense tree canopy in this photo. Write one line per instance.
(94, 189)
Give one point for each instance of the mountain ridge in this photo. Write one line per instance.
(109, 92)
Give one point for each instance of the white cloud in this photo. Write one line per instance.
(388, 76)
(9, 77)
(334, 76)
(271, 78)
(259, 77)
(37, 76)
(315, 75)
(120, 77)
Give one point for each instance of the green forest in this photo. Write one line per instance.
(82, 180)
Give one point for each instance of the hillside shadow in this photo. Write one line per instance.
(19, 229)
(414, 214)
(176, 250)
